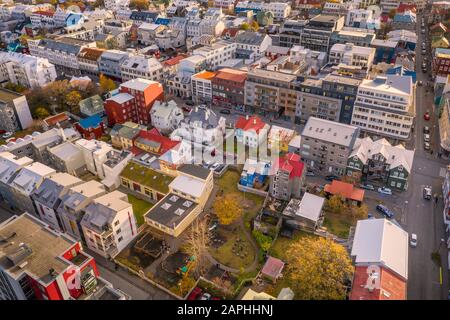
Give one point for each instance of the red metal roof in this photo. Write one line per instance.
(344, 189)
(252, 123)
(273, 267)
(291, 163)
(390, 287)
(155, 136)
(175, 60)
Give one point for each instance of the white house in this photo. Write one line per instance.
(140, 66)
(251, 131)
(253, 41)
(109, 224)
(166, 116)
(95, 153)
(202, 86)
(217, 53)
(352, 55)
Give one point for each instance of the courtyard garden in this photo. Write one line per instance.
(140, 208)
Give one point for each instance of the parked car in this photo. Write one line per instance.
(7, 135)
(385, 190)
(214, 166)
(195, 293)
(370, 216)
(331, 177)
(206, 296)
(385, 211)
(426, 137)
(413, 240)
(426, 146)
(419, 83)
(426, 130)
(225, 111)
(367, 186)
(427, 192)
(310, 174)
(426, 116)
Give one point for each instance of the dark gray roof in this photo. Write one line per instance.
(205, 115)
(54, 45)
(48, 193)
(195, 170)
(249, 37)
(171, 210)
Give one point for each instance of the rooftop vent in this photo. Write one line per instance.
(166, 206)
(17, 257)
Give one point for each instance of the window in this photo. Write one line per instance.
(116, 223)
(120, 239)
(118, 231)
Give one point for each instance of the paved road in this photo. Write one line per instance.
(423, 217)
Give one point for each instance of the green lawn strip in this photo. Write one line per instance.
(140, 207)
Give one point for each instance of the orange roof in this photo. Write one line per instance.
(391, 287)
(52, 120)
(91, 53)
(44, 13)
(344, 189)
(231, 75)
(175, 60)
(205, 75)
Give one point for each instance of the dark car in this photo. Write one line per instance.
(225, 111)
(385, 211)
(331, 177)
(367, 186)
(426, 130)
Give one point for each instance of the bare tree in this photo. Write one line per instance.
(197, 244)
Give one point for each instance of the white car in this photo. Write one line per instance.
(413, 240)
(206, 296)
(426, 137)
(7, 135)
(214, 166)
(385, 190)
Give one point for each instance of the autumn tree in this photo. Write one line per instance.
(224, 284)
(56, 92)
(318, 269)
(227, 208)
(245, 26)
(139, 4)
(197, 244)
(40, 113)
(335, 204)
(185, 285)
(73, 98)
(359, 212)
(106, 84)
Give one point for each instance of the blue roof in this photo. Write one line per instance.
(163, 21)
(401, 71)
(91, 122)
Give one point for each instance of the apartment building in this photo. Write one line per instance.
(94, 154)
(271, 92)
(67, 157)
(313, 102)
(217, 53)
(357, 36)
(317, 33)
(444, 128)
(352, 55)
(228, 88)
(251, 131)
(290, 33)
(185, 200)
(37, 263)
(15, 114)
(134, 101)
(73, 204)
(88, 60)
(47, 198)
(380, 161)
(287, 177)
(28, 179)
(139, 66)
(385, 106)
(326, 145)
(62, 52)
(201, 84)
(25, 70)
(255, 42)
(110, 63)
(109, 224)
(166, 116)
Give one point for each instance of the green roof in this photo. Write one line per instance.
(147, 177)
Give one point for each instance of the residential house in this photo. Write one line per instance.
(201, 84)
(67, 157)
(91, 127)
(95, 154)
(287, 177)
(74, 202)
(88, 59)
(255, 173)
(256, 43)
(123, 135)
(145, 182)
(251, 131)
(305, 214)
(185, 200)
(352, 55)
(110, 62)
(140, 66)
(152, 142)
(92, 106)
(109, 224)
(113, 167)
(166, 116)
(380, 255)
(380, 161)
(280, 137)
(47, 198)
(347, 191)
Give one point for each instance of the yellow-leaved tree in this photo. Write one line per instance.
(318, 269)
(227, 208)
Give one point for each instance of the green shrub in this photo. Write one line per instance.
(264, 241)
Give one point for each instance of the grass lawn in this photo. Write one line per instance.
(225, 255)
(140, 207)
(338, 224)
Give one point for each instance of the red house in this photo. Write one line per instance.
(91, 127)
(133, 102)
(152, 141)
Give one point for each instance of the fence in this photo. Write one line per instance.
(251, 190)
